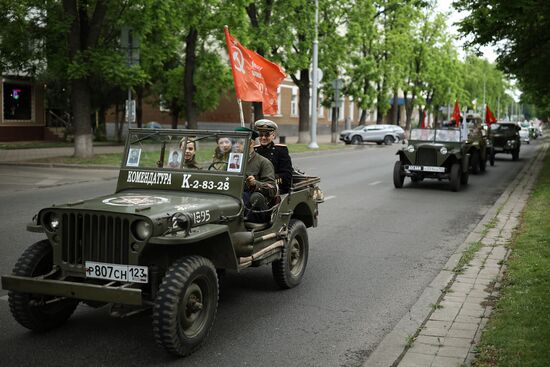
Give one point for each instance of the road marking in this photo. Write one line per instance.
(375, 183)
(329, 197)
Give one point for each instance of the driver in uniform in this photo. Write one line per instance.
(276, 153)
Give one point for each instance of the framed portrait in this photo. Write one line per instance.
(175, 158)
(235, 162)
(134, 155)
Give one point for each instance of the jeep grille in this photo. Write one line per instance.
(426, 157)
(94, 237)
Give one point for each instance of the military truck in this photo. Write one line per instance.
(176, 220)
(433, 153)
(505, 139)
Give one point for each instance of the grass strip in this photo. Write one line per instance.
(467, 256)
(518, 333)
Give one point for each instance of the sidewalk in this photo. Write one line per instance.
(20, 155)
(444, 326)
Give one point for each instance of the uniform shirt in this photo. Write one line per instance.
(262, 170)
(279, 157)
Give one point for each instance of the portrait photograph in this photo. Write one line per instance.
(133, 157)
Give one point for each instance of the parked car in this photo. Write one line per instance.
(379, 134)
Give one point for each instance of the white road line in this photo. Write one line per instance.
(375, 183)
(329, 197)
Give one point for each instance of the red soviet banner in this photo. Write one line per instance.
(256, 78)
(456, 114)
(489, 117)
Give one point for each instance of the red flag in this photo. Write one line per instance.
(489, 117)
(256, 78)
(456, 114)
(423, 122)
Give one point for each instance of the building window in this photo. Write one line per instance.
(17, 102)
(294, 102)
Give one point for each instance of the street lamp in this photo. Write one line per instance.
(313, 144)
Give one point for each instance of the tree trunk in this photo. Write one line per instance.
(363, 118)
(139, 107)
(80, 106)
(303, 107)
(379, 104)
(395, 108)
(174, 113)
(189, 88)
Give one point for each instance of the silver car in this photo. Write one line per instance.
(378, 134)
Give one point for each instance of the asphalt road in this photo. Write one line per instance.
(375, 250)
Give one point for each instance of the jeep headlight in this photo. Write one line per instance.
(52, 221)
(410, 148)
(142, 229)
(443, 150)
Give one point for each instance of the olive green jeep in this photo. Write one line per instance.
(505, 139)
(477, 144)
(176, 221)
(433, 153)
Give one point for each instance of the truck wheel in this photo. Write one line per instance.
(356, 139)
(515, 154)
(474, 162)
(33, 311)
(464, 178)
(185, 305)
(398, 175)
(388, 140)
(289, 270)
(455, 177)
(492, 157)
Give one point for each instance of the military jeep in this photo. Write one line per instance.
(175, 222)
(433, 153)
(477, 144)
(505, 139)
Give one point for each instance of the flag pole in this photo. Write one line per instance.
(241, 111)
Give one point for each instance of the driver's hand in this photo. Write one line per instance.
(251, 181)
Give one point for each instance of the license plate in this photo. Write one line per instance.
(122, 273)
(433, 169)
(414, 168)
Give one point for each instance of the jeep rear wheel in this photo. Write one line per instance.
(33, 311)
(398, 175)
(483, 162)
(356, 139)
(185, 306)
(289, 270)
(455, 177)
(492, 157)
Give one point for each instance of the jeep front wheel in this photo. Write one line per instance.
(185, 306)
(492, 157)
(289, 270)
(455, 177)
(33, 311)
(398, 175)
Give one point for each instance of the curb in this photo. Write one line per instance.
(399, 347)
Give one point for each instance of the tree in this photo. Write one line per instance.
(519, 31)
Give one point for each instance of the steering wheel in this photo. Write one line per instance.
(213, 164)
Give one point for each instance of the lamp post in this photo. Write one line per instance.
(313, 144)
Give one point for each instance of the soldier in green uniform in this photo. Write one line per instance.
(260, 188)
(276, 153)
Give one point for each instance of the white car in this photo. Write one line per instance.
(524, 135)
(378, 134)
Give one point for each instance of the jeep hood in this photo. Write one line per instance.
(159, 203)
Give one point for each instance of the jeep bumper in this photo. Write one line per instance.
(63, 288)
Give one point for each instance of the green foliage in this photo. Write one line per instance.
(518, 333)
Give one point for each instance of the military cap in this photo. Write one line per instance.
(265, 125)
(245, 129)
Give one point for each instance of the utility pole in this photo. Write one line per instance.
(313, 144)
(130, 42)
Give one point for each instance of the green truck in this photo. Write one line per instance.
(173, 225)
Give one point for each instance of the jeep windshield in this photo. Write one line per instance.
(439, 135)
(186, 150)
